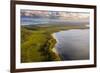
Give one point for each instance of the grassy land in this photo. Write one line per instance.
(37, 42)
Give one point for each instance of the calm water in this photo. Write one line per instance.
(73, 44)
(27, 20)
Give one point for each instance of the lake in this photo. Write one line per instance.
(72, 44)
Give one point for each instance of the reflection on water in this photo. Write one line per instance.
(73, 44)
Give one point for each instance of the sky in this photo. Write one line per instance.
(65, 15)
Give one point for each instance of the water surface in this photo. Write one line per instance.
(27, 20)
(73, 44)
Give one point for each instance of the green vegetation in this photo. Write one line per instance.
(37, 42)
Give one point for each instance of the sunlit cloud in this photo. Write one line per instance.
(57, 14)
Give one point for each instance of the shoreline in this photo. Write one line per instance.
(54, 49)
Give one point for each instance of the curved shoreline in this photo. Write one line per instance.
(54, 49)
(52, 41)
(54, 37)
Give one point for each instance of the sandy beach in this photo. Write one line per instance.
(54, 49)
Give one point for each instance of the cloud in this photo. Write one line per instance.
(57, 14)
